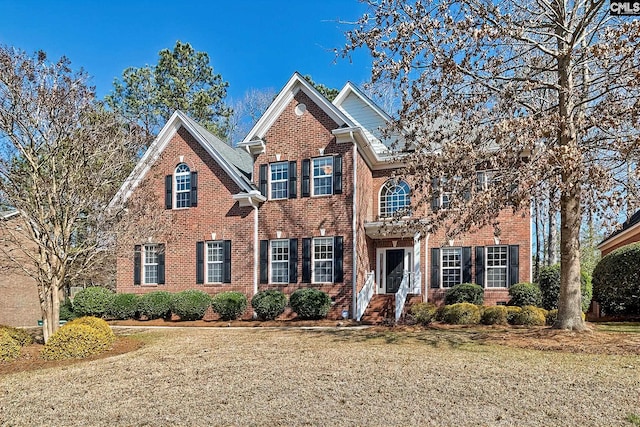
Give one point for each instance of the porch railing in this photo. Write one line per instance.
(401, 294)
(365, 295)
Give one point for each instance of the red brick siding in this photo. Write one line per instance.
(216, 213)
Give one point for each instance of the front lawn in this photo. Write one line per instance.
(341, 376)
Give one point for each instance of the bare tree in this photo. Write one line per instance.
(63, 158)
(247, 110)
(468, 71)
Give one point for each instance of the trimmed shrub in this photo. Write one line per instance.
(190, 304)
(424, 313)
(269, 304)
(463, 313)
(66, 310)
(525, 294)
(9, 348)
(229, 305)
(310, 303)
(616, 281)
(123, 306)
(512, 312)
(155, 305)
(93, 301)
(549, 282)
(464, 292)
(75, 340)
(95, 323)
(21, 336)
(440, 313)
(494, 315)
(530, 316)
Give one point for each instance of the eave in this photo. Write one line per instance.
(253, 147)
(620, 237)
(374, 159)
(249, 199)
(388, 229)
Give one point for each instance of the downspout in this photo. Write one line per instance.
(354, 267)
(256, 247)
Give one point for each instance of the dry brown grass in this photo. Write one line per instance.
(260, 376)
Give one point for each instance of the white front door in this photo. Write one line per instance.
(392, 263)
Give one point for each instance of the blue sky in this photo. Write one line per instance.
(253, 44)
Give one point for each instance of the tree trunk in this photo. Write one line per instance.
(570, 302)
(536, 214)
(552, 253)
(51, 312)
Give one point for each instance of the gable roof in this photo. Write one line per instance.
(295, 84)
(627, 226)
(235, 162)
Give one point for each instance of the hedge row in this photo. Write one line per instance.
(471, 314)
(192, 304)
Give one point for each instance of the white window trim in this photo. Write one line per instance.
(486, 267)
(175, 186)
(313, 259)
(271, 260)
(286, 181)
(459, 248)
(206, 262)
(407, 207)
(313, 177)
(146, 248)
(489, 178)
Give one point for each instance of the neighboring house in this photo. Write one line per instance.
(303, 202)
(19, 302)
(629, 233)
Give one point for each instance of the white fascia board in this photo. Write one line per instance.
(373, 159)
(618, 237)
(10, 214)
(295, 83)
(252, 198)
(351, 88)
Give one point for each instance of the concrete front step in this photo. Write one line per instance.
(381, 309)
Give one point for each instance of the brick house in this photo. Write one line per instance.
(627, 234)
(302, 202)
(19, 301)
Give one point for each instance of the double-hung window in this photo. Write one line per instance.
(182, 177)
(322, 168)
(215, 259)
(279, 261)
(497, 266)
(323, 260)
(150, 266)
(279, 180)
(451, 266)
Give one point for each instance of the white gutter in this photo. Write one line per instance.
(354, 244)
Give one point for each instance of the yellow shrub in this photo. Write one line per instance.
(95, 323)
(76, 341)
(9, 348)
(530, 316)
(20, 335)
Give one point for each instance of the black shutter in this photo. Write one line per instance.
(293, 261)
(306, 260)
(161, 252)
(480, 265)
(306, 184)
(338, 253)
(194, 189)
(264, 261)
(263, 180)
(337, 175)
(293, 180)
(514, 264)
(466, 264)
(226, 267)
(435, 194)
(435, 268)
(168, 192)
(199, 263)
(137, 264)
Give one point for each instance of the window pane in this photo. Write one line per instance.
(323, 260)
(394, 197)
(280, 261)
(150, 264)
(279, 180)
(497, 266)
(183, 186)
(322, 176)
(451, 266)
(215, 258)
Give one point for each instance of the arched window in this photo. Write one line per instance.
(394, 197)
(182, 178)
